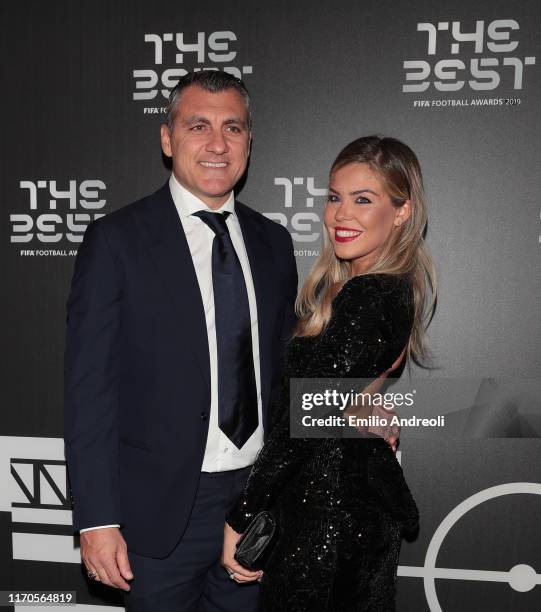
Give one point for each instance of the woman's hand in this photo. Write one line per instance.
(239, 574)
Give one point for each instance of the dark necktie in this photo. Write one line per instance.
(237, 391)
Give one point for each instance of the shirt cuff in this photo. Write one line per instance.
(99, 527)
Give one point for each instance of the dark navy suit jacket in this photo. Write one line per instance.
(137, 370)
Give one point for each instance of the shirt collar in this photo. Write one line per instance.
(187, 203)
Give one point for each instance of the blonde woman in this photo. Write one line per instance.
(342, 504)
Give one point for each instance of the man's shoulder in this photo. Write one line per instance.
(273, 228)
(122, 218)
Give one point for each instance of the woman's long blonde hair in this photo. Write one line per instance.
(404, 252)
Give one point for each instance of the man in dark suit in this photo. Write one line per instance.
(179, 309)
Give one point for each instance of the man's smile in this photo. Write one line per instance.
(208, 164)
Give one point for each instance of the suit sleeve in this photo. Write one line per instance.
(91, 367)
(290, 318)
(288, 321)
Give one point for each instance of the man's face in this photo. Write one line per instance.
(209, 142)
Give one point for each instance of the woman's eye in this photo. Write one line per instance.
(332, 198)
(362, 200)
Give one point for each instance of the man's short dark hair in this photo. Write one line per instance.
(209, 80)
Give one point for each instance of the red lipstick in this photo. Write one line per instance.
(339, 236)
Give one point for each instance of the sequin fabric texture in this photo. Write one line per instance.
(342, 504)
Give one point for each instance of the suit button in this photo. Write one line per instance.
(203, 416)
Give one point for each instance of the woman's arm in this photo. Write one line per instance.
(370, 327)
(273, 467)
(360, 342)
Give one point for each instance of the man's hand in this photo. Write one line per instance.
(104, 552)
(389, 433)
(240, 574)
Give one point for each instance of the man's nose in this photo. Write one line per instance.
(217, 142)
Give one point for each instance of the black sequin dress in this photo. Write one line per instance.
(342, 504)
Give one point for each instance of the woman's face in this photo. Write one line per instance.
(359, 214)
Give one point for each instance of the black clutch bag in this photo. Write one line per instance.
(254, 546)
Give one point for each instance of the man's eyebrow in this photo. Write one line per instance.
(195, 119)
(237, 120)
(199, 119)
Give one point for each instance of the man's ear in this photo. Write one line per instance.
(165, 136)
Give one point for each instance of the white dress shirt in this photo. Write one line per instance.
(220, 452)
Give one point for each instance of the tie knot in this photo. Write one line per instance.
(216, 221)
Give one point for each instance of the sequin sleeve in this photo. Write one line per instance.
(370, 327)
(367, 331)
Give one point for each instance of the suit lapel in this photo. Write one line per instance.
(259, 255)
(170, 254)
(169, 251)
